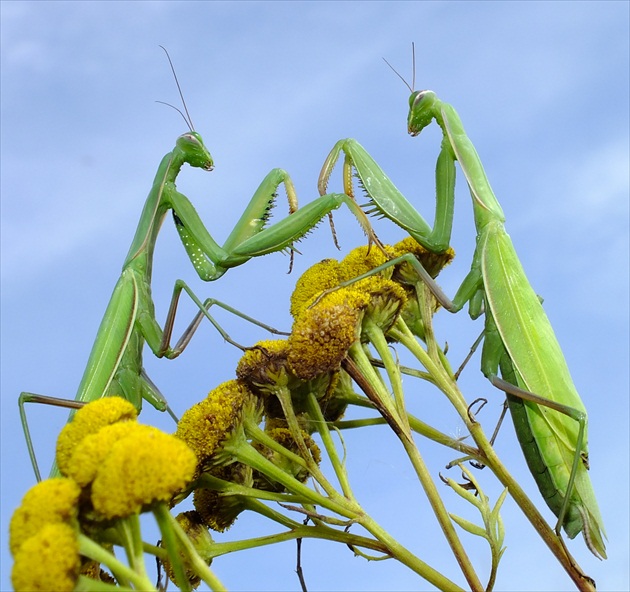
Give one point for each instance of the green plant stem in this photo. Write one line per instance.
(403, 431)
(448, 386)
(334, 503)
(298, 530)
(417, 425)
(377, 339)
(441, 514)
(200, 566)
(284, 396)
(322, 428)
(255, 433)
(92, 550)
(86, 584)
(402, 554)
(170, 543)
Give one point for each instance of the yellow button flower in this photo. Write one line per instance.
(145, 467)
(88, 420)
(48, 561)
(49, 502)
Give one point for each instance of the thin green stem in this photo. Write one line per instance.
(255, 433)
(124, 574)
(402, 554)
(382, 398)
(377, 338)
(441, 513)
(284, 395)
(322, 428)
(170, 543)
(449, 387)
(403, 431)
(335, 503)
(199, 565)
(417, 425)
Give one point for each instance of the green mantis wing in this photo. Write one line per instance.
(539, 366)
(112, 339)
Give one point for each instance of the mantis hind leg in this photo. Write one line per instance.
(136, 385)
(145, 387)
(515, 392)
(495, 356)
(26, 397)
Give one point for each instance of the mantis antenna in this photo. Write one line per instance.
(186, 117)
(413, 67)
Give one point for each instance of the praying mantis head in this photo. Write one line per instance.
(421, 110)
(421, 102)
(194, 151)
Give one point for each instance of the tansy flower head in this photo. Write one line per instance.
(315, 279)
(206, 425)
(264, 366)
(265, 370)
(49, 560)
(52, 501)
(361, 260)
(219, 509)
(322, 334)
(387, 298)
(89, 420)
(146, 466)
(88, 458)
(432, 262)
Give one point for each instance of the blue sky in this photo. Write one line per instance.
(542, 89)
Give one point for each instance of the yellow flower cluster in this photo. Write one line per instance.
(333, 314)
(207, 424)
(43, 537)
(101, 413)
(128, 465)
(322, 335)
(49, 502)
(113, 467)
(47, 561)
(142, 468)
(264, 366)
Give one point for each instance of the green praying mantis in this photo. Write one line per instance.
(115, 366)
(549, 416)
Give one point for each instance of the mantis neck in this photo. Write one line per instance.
(486, 206)
(140, 255)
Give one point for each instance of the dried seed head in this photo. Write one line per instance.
(322, 334)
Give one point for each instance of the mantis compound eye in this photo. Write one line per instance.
(190, 140)
(419, 96)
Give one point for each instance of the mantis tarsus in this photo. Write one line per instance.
(115, 362)
(549, 416)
